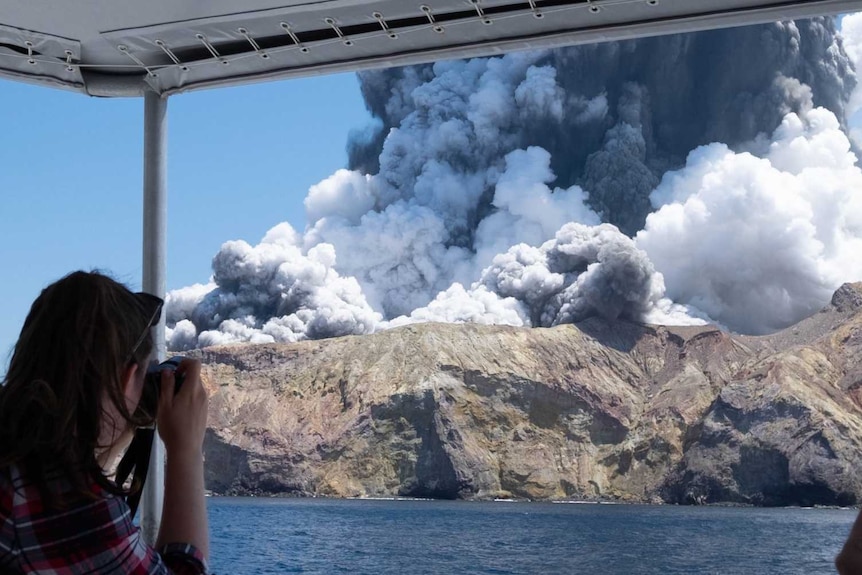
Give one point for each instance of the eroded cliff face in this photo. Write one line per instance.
(594, 410)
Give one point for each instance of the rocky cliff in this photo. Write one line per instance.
(598, 409)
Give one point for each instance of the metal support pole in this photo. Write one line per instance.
(154, 281)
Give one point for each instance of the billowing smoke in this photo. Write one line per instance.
(760, 240)
(270, 292)
(582, 272)
(614, 116)
(542, 188)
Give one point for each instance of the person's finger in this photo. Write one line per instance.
(192, 378)
(191, 367)
(166, 395)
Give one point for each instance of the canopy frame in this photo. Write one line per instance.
(154, 281)
(168, 48)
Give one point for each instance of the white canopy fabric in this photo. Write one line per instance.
(126, 47)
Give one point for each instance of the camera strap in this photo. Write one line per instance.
(136, 462)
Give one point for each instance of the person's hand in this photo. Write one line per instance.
(182, 417)
(849, 561)
(182, 423)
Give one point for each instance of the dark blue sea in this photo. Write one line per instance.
(362, 537)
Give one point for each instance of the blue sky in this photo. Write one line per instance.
(240, 161)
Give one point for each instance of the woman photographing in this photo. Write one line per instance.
(69, 406)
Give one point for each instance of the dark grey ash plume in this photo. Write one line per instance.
(664, 97)
(475, 177)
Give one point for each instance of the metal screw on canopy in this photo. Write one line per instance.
(391, 33)
(30, 59)
(254, 44)
(203, 40)
(595, 9)
(171, 55)
(125, 50)
(434, 26)
(69, 67)
(536, 12)
(331, 22)
(286, 27)
(485, 20)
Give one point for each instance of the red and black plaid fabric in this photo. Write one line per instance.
(92, 536)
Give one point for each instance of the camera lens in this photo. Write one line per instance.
(147, 408)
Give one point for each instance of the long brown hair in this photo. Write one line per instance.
(75, 344)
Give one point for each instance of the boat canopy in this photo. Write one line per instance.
(127, 47)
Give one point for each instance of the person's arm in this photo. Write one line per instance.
(849, 561)
(182, 424)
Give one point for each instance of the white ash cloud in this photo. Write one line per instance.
(480, 191)
(181, 303)
(527, 210)
(459, 305)
(851, 35)
(761, 242)
(344, 194)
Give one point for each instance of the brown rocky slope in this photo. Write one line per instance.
(600, 409)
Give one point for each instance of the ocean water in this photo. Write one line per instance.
(325, 536)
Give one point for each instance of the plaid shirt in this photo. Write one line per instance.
(93, 536)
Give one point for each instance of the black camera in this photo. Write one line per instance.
(153, 385)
